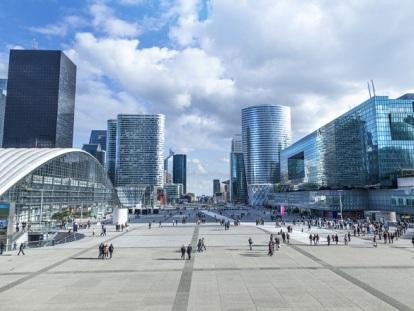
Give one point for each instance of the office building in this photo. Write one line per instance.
(96, 151)
(2, 107)
(98, 137)
(173, 192)
(238, 184)
(266, 130)
(168, 168)
(359, 157)
(110, 160)
(139, 157)
(216, 186)
(180, 170)
(40, 100)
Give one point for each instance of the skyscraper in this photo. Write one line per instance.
(139, 156)
(40, 100)
(110, 160)
(98, 137)
(238, 185)
(266, 130)
(96, 151)
(216, 186)
(3, 90)
(180, 170)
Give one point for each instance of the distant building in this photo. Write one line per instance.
(96, 151)
(173, 192)
(238, 184)
(98, 137)
(266, 131)
(2, 112)
(180, 170)
(216, 186)
(40, 100)
(110, 160)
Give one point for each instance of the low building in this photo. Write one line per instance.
(36, 184)
(173, 192)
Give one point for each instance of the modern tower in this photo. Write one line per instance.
(40, 100)
(111, 149)
(180, 170)
(216, 186)
(98, 137)
(139, 156)
(238, 185)
(266, 130)
(3, 90)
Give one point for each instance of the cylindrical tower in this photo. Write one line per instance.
(266, 130)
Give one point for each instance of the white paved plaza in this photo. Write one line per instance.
(147, 273)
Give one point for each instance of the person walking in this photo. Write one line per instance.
(101, 251)
(374, 240)
(21, 249)
(2, 246)
(328, 239)
(111, 250)
(183, 252)
(189, 251)
(149, 225)
(203, 245)
(251, 242)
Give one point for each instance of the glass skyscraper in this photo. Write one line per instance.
(139, 154)
(110, 160)
(180, 170)
(40, 100)
(266, 130)
(238, 184)
(365, 146)
(98, 137)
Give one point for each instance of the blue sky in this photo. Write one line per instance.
(200, 62)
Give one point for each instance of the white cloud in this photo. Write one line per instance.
(61, 28)
(105, 20)
(198, 166)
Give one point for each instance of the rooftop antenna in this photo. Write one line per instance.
(35, 45)
(373, 87)
(369, 90)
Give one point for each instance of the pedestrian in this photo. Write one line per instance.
(374, 240)
(2, 246)
(412, 240)
(14, 245)
(111, 250)
(251, 242)
(183, 252)
(101, 251)
(328, 239)
(93, 232)
(21, 249)
(203, 245)
(199, 246)
(149, 225)
(189, 251)
(288, 238)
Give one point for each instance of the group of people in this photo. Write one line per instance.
(105, 251)
(201, 246)
(188, 250)
(274, 242)
(120, 227)
(225, 223)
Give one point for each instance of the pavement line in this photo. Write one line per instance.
(380, 295)
(183, 291)
(54, 265)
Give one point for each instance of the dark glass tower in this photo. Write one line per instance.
(98, 137)
(180, 170)
(40, 100)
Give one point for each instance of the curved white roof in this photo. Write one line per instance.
(15, 163)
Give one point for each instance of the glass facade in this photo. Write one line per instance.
(95, 151)
(180, 170)
(216, 186)
(139, 156)
(72, 181)
(40, 100)
(98, 137)
(238, 184)
(111, 150)
(365, 146)
(266, 130)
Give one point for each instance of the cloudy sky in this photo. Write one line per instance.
(199, 62)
